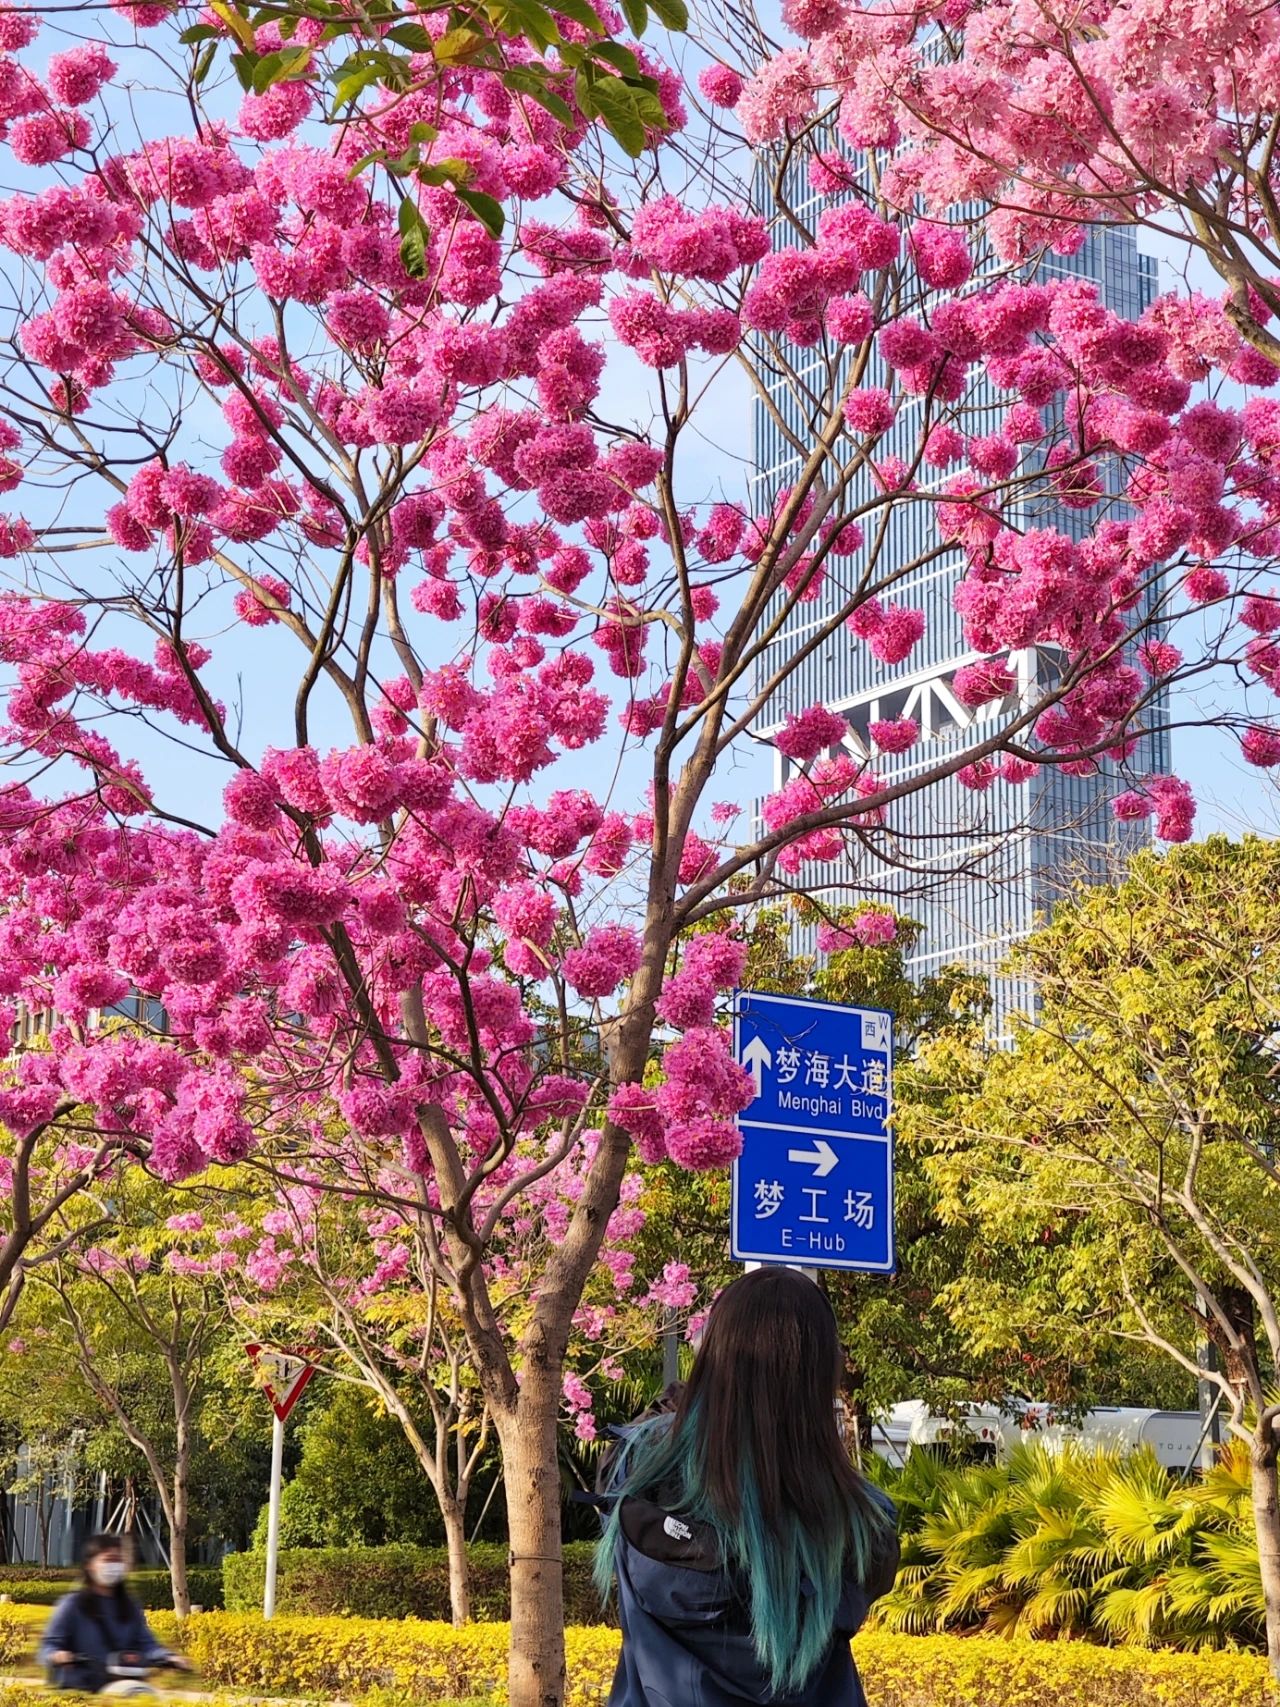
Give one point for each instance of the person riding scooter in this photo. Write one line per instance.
(101, 1628)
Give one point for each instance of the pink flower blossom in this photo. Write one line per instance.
(895, 735)
(609, 954)
(870, 411)
(721, 85)
(1205, 585)
(808, 733)
(76, 75)
(675, 1291)
(1261, 746)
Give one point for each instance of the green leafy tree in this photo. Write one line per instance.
(139, 1315)
(1126, 1145)
(356, 1481)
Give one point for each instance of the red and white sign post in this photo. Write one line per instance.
(282, 1378)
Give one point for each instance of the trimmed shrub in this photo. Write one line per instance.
(41, 1587)
(921, 1671)
(410, 1661)
(396, 1582)
(20, 1627)
(404, 1662)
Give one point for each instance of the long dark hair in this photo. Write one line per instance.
(754, 1450)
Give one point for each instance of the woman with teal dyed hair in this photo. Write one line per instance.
(745, 1547)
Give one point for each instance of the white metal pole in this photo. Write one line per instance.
(273, 1518)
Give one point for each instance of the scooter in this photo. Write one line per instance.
(130, 1677)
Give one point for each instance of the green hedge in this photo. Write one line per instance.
(41, 1585)
(396, 1582)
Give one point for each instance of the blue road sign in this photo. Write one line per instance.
(814, 1183)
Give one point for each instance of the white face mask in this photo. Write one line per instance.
(107, 1573)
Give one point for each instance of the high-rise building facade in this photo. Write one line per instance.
(976, 869)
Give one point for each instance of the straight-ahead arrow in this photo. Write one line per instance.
(822, 1157)
(755, 1058)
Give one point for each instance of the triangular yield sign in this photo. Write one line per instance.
(281, 1377)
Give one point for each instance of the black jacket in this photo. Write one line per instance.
(95, 1627)
(686, 1621)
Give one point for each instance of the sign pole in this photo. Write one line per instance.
(283, 1378)
(273, 1517)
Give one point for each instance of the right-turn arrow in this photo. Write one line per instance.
(822, 1157)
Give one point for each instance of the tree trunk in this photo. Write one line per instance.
(1266, 1515)
(179, 1506)
(455, 1540)
(178, 1569)
(528, 1436)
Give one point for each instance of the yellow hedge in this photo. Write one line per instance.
(982, 1671)
(409, 1660)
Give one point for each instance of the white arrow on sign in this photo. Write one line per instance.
(755, 1058)
(822, 1156)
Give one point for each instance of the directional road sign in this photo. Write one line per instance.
(814, 1184)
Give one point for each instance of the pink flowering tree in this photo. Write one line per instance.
(358, 1285)
(44, 1167)
(1057, 117)
(371, 710)
(346, 1263)
(139, 1312)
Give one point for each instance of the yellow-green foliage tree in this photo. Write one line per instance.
(136, 1311)
(1127, 1143)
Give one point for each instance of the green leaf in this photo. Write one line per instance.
(397, 71)
(243, 65)
(205, 63)
(197, 33)
(366, 160)
(580, 12)
(636, 12)
(584, 93)
(422, 132)
(525, 18)
(455, 45)
(414, 37)
(281, 67)
(534, 83)
(673, 13)
(297, 63)
(352, 85)
(265, 72)
(621, 58)
(413, 240)
(618, 106)
(456, 172)
(486, 209)
(238, 25)
(404, 163)
(649, 108)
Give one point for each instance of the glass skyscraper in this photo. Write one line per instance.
(976, 869)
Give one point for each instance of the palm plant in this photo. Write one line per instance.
(1077, 1544)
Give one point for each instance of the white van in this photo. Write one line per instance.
(987, 1431)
